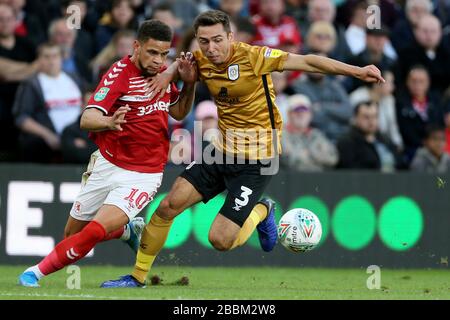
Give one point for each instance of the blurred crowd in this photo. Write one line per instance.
(53, 53)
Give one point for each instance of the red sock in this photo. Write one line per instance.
(115, 234)
(73, 248)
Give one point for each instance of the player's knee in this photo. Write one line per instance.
(163, 210)
(69, 231)
(168, 209)
(220, 243)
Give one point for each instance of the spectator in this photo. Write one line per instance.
(234, 8)
(321, 37)
(325, 11)
(27, 24)
(165, 13)
(76, 146)
(355, 35)
(121, 16)
(330, 103)
(75, 61)
(44, 11)
(382, 94)
(186, 10)
(363, 147)
(417, 106)
(94, 11)
(305, 148)
(403, 32)
(120, 46)
(430, 52)
(431, 158)
(297, 9)
(274, 28)
(245, 30)
(373, 53)
(387, 9)
(21, 51)
(84, 38)
(376, 40)
(44, 106)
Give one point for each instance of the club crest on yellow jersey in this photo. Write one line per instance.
(233, 72)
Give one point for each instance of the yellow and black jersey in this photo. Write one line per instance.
(243, 92)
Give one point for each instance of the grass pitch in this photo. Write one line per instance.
(235, 283)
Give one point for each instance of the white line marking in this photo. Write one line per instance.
(46, 295)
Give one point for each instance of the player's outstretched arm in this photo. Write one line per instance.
(94, 120)
(319, 64)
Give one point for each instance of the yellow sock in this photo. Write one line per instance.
(258, 214)
(153, 238)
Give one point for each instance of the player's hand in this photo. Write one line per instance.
(370, 74)
(187, 67)
(118, 118)
(158, 84)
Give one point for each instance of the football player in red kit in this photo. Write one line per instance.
(130, 129)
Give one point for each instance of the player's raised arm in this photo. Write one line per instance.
(319, 64)
(159, 83)
(94, 120)
(187, 71)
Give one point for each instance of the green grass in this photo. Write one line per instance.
(237, 283)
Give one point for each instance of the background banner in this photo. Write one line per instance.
(399, 220)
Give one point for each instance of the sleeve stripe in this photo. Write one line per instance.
(97, 107)
(175, 102)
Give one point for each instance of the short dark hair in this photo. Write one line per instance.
(213, 17)
(432, 128)
(154, 29)
(47, 45)
(361, 104)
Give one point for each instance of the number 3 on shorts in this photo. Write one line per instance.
(239, 203)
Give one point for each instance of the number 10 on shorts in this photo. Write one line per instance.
(141, 199)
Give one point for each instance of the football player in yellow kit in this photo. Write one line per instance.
(238, 77)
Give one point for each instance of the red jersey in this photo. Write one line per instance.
(143, 145)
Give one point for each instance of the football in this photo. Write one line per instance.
(299, 230)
